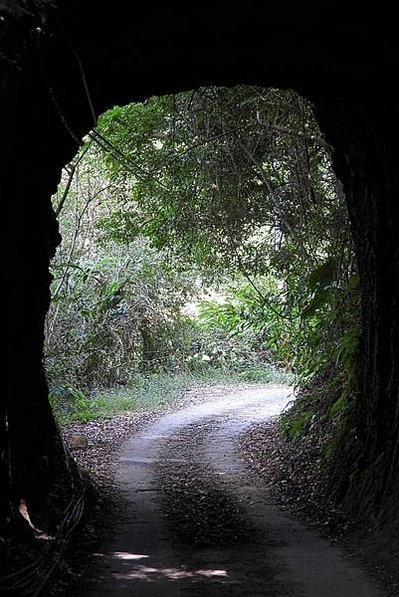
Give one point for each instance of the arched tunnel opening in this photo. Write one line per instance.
(200, 230)
(57, 79)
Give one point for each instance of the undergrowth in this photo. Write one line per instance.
(318, 414)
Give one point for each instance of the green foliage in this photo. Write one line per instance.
(327, 451)
(119, 320)
(295, 422)
(298, 426)
(266, 375)
(227, 190)
(205, 170)
(69, 404)
(251, 318)
(339, 406)
(116, 309)
(239, 180)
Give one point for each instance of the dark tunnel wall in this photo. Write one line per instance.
(57, 61)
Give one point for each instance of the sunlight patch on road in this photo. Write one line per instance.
(149, 573)
(125, 555)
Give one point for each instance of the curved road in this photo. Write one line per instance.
(193, 524)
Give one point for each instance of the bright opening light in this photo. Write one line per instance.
(125, 555)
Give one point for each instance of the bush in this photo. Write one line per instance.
(70, 403)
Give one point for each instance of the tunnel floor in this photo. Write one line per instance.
(192, 522)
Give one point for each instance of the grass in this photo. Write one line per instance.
(149, 392)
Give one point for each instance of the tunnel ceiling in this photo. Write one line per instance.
(330, 56)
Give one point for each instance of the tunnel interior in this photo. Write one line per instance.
(62, 72)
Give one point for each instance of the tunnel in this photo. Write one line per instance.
(63, 66)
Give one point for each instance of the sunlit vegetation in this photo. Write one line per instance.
(204, 234)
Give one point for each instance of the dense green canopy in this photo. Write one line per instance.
(224, 188)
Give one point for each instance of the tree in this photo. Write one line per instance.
(116, 308)
(239, 180)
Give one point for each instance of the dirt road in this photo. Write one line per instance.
(192, 523)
